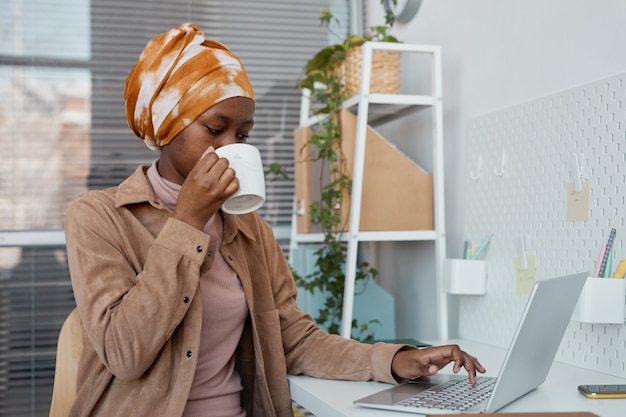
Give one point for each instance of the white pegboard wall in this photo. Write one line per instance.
(520, 190)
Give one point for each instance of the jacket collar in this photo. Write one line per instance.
(136, 190)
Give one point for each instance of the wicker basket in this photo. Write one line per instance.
(385, 75)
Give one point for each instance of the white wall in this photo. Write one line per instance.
(499, 53)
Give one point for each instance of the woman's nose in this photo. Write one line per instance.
(227, 139)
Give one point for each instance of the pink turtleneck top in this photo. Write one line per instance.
(216, 386)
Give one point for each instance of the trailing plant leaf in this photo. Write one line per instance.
(275, 171)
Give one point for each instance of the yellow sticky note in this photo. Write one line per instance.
(525, 278)
(578, 202)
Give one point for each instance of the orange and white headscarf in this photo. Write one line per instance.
(179, 76)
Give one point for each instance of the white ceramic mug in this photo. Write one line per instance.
(245, 160)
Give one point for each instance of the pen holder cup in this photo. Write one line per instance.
(465, 276)
(601, 301)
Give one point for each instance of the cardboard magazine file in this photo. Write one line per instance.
(397, 193)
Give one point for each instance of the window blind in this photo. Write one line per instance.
(63, 65)
(44, 126)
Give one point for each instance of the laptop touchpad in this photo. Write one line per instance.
(422, 383)
(408, 389)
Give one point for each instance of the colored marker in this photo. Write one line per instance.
(621, 269)
(609, 248)
(481, 248)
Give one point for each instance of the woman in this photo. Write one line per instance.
(188, 311)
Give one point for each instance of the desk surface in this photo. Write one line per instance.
(329, 398)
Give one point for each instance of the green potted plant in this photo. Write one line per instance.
(329, 68)
(332, 64)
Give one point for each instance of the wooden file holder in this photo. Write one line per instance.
(397, 193)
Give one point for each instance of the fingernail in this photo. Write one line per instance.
(209, 150)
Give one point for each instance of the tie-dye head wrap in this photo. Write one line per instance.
(179, 76)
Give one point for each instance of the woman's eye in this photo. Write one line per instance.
(213, 131)
(242, 138)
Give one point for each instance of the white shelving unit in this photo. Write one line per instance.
(375, 109)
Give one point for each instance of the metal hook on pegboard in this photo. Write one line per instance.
(522, 253)
(576, 173)
(476, 176)
(500, 172)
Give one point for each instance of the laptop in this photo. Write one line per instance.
(525, 367)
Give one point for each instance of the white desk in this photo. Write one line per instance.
(329, 398)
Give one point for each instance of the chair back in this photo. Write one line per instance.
(69, 349)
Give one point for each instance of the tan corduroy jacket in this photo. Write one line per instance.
(135, 273)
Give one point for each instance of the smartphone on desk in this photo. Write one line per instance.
(603, 390)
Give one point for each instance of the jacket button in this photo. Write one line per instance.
(199, 248)
(189, 354)
(185, 300)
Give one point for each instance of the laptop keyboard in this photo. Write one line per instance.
(459, 395)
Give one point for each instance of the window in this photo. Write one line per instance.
(63, 66)
(44, 137)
